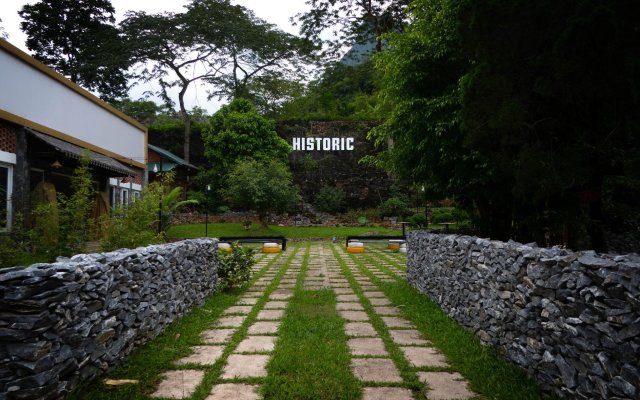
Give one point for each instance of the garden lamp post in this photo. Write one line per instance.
(206, 212)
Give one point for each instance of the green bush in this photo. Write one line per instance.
(419, 220)
(234, 267)
(330, 199)
(222, 210)
(134, 225)
(448, 214)
(394, 207)
(440, 215)
(459, 215)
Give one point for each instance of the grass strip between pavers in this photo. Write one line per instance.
(311, 359)
(487, 373)
(146, 363)
(212, 377)
(409, 377)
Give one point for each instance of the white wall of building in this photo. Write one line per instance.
(30, 94)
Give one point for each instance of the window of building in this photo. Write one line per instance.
(6, 188)
(125, 197)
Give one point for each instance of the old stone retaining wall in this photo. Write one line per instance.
(64, 322)
(572, 320)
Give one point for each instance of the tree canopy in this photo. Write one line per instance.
(522, 110)
(214, 42)
(238, 132)
(343, 92)
(78, 39)
(352, 21)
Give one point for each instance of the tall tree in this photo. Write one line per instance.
(78, 39)
(237, 132)
(523, 120)
(215, 42)
(352, 21)
(169, 50)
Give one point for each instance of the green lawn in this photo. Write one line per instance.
(311, 359)
(217, 230)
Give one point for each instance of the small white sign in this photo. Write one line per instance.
(322, 144)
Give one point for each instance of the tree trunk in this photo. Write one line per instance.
(187, 123)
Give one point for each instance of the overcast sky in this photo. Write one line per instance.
(276, 12)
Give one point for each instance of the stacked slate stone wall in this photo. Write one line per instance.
(65, 322)
(571, 319)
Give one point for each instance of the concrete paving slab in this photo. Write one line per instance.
(213, 336)
(287, 292)
(359, 329)
(262, 327)
(367, 347)
(374, 294)
(245, 366)
(275, 305)
(247, 301)
(234, 391)
(178, 384)
(342, 290)
(408, 337)
(424, 357)
(396, 322)
(253, 344)
(238, 310)
(354, 315)
(386, 310)
(281, 296)
(230, 322)
(347, 297)
(203, 355)
(445, 386)
(270, 315)
(375, 370)
(349, 306)
(386, 393)
(379, 302)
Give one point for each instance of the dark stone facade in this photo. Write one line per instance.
(65, 322)
(572, 320)
(365, 187)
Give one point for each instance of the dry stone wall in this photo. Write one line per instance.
(65, 322)
(571, 319)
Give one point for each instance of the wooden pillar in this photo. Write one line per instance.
(21, 182)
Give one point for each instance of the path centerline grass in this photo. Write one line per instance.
(311, 359)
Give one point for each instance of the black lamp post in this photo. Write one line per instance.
(206, 212)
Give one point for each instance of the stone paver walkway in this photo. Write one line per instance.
(243, 338)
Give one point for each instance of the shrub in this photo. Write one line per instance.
(234, 267)
(135, 225)
(440, 215)
(330, 199)
(222, 210)
(419, 220)
(448, 214)
(62, 224)
(263, 186)
(394, 207)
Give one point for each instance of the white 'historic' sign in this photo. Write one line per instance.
(322, 144)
